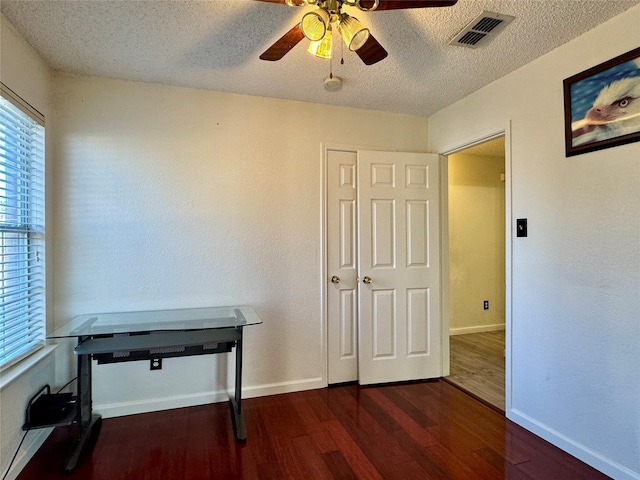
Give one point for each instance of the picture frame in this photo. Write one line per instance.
(602, 105)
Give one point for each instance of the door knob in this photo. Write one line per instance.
(366, 280)
(335, 279)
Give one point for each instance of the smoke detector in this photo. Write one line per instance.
(481, 30)
(332, 83)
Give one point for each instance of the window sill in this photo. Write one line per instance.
(15, 372)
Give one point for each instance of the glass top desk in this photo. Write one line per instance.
(151, 335)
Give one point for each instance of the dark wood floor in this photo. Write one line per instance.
(409, 431)
(477, 365)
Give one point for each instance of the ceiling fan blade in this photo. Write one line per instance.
(283, 45)
(371, 52)
(401, 4)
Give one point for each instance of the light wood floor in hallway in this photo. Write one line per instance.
(477, 365)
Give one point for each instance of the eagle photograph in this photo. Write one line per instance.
(606, 105)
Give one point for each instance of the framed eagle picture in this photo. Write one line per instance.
(602, 105)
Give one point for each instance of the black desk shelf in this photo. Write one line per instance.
(46, 409)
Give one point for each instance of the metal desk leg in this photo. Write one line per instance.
(236, 402)
(88, 424)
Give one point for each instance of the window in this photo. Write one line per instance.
(22, 265)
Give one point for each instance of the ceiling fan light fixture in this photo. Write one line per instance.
(322, 48)
(314, 24)
(354, 34)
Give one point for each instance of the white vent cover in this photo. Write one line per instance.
(481, 30)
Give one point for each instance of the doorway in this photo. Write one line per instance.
(477, 272)
(381, 275)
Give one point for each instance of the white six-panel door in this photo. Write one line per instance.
(382, 224)
(342, 251)
(399, 267)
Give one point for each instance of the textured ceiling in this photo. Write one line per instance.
(215, 45)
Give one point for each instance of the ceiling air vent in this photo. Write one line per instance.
(481, 30)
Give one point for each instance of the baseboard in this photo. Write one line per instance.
(477, 329)
(179, 401)
(581, 452)
(34, 440)
(283, 387)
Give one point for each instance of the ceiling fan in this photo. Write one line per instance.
(317, 26)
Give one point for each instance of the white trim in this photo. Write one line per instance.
(578, 450)
(13, 373)
(445, 347)
(284, 387)
(508, 267)
(324, 339)
(34, 440)
(476, 141)
(477, 329)
(120, 409)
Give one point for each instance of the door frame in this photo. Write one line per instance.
(444, 252)
(444, 320)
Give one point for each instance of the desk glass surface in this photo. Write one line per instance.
(158, 320)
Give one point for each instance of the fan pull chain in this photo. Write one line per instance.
(331, 66)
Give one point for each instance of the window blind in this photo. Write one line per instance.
(22, 246)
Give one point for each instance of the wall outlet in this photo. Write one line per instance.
(486, 304)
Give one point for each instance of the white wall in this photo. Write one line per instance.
(576, 278)
(170, 197)
(476, 243)
(22, 70)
